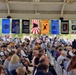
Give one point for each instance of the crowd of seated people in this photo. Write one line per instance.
(16, 56)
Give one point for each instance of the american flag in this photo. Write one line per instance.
(35, 27)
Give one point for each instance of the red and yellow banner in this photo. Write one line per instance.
(45, 27)
(35, 27)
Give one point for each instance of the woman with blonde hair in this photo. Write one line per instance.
(14, 63)
(21, 71)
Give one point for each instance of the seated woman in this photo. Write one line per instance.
(14, 63)
(72, 66)
(6, 63)
(1, 70)
(23, 58)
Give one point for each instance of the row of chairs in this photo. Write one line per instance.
(57, 67)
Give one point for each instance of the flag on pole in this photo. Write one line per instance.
(5, 26)
(35, 27)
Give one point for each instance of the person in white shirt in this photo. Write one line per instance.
(61, 57)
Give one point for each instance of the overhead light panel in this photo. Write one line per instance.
(36, 0)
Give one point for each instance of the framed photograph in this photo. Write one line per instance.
(65, 27)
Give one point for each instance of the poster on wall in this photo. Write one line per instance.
(73, 26)
(35, 26)
(45, 27)
(15, 26)
(54, 26)
(26, 26)
(5, 26)
(65, 27)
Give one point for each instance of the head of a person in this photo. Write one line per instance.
(53, 48)
(18, 50)
(43, 67)
(13, 52)
(60, 49)
(41, 61)
(39, 47)
(43, 41)
(68, 57)
(63, 53)
(48, 45)
(44, 60)
(4, 48)
(42, 52)
(9, 56)
(36, 52)
(72, 64)
(69, 48)
(14, 59)
(1, 70)
(21, 71)
(74, 39)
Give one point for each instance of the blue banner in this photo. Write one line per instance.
(15, 26)
(5, 26)
(54, 26)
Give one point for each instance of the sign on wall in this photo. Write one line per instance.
(15, 26)
(35, 26)
(45, 27)
(73, 26)
(65, 27)
(5, 26)
(26, 26)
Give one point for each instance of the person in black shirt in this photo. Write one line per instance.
(51, 68)
(74, 44)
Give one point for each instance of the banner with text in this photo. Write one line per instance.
(26, 26)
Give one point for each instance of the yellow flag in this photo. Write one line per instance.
(45, 27)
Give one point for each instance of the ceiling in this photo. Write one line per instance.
(38, 9)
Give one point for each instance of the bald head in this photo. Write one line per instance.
(63, 53)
